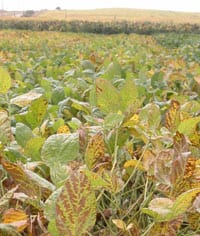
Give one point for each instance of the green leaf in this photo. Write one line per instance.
(96, 180)
(113, 120)
(157, 80)
(188, 126)
(87, 65)
(58, 94)
(76, 206)
(108, 98)
(35, 114)
(60, 148)
(113, 70)
(128, 94)
(33, 148)
(22, 134)
(58, 173)
(150, 115)
(50, 205)
(5, 81)
(52, 228)
(164, 209)
(184, 201)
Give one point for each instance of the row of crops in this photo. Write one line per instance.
(99, 135)
(111, 27)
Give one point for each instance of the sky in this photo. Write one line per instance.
(172, 5)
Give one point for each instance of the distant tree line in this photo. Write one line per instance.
(114, 27)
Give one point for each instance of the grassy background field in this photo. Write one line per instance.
(117, 14)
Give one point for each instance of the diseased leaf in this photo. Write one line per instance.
(172, 117)
(5, 81)
(29, 182)
(60, 148)
(165, 228)
(95, 151)
(76, 206)
(134, 164)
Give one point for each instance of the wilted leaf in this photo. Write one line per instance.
(162, 167)
(162, 206)
(76, 206)
(120, 224)
(16, 218)
(5, 128)
(165, 228)
(4, 200)
(5, 81)
(181, 153)
(25, 99)
(8, 230)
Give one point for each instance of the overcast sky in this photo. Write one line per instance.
(173, 5)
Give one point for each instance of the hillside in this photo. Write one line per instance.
(122, 14)
(117, 14)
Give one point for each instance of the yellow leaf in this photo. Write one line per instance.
(63, 130)
(135, 164)
(16, 218)
(120, 224)
(95, 151)
(172, 117)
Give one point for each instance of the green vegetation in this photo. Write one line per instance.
(99, 134)
(99, 27)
